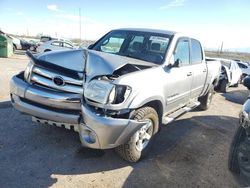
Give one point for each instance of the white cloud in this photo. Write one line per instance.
(19, 13)
(53, 8)
(174, 3)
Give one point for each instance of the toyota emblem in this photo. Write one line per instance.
(58, 80)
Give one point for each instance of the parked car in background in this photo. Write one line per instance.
(245, 68)
(54, 45)
(230, 74)
(28, 45)
(16, 43)
(239, 155)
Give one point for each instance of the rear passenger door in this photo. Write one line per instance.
(199, 69)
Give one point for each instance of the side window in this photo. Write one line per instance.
(67, 45)
(242, 66)
(182, 52)
(56, 43)
(196, 52)
(112, 45)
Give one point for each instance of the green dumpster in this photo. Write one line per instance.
(6, 46)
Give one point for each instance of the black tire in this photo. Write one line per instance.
(47, 50)
(207, 99)
(14, 48)
(129, 151)
(223, 86)
(233, 164)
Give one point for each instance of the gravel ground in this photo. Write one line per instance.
(190, 152)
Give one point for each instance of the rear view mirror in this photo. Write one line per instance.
(246, 82)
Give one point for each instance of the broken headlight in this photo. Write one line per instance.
(27, 72)
(105, 92)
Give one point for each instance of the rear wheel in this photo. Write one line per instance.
(140, 143)
(207, 99)
(224, 86)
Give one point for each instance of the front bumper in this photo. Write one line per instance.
(65, 109)
(44, 103)
(104, 132)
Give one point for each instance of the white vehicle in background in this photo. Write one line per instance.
(55, 45)
(230, 74)
(244, 68)
(16, 43)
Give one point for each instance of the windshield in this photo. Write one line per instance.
(145, 46)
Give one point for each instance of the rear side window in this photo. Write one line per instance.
(182, 52)
(242, 66)
(196, 52)
(67, 45)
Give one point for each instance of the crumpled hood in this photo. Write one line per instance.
(92, 62)
(69, 59)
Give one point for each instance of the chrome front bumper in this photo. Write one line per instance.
(43, 103)
(95, 131)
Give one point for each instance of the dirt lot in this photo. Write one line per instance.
(191, 152)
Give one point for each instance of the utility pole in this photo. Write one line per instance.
(80, 24)
(221, 47)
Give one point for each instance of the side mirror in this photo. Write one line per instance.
(246, 82)
(177, 63)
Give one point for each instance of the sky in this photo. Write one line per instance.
(213, 22)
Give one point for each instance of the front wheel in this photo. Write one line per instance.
(139, 144)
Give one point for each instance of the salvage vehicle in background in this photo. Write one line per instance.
(28, 45)
(239, 155)
(230, 74)
(119, 91)
(54, 45)
(245, 68)
(16, 43)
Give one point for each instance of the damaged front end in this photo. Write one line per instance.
(79, 90)
(106, 118)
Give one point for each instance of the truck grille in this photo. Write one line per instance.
(45, 78)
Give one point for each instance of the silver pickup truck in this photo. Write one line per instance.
(119, 91)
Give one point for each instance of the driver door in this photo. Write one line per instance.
(179, 77)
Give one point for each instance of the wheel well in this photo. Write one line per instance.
(157, 105)
(47, 50)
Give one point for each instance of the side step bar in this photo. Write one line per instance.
(170, 117)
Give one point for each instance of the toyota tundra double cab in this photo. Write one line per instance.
(119, 91)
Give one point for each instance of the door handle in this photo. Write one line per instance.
(205, 70)
(189, 74)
